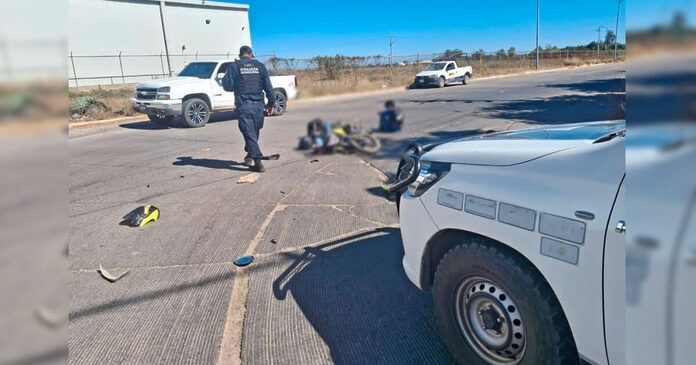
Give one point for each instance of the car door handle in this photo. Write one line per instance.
(620, 227)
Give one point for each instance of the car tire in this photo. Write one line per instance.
(467, 79)
(196, 112)
(161, 120)
(488, 301)
(441, 82)
(281, 104)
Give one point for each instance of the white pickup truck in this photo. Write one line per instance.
(520, 236)
(443, 73)
(197, 91)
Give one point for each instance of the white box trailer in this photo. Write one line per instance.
(100, 30)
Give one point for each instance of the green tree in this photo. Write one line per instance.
(512, 52)
(609, 39)
(501, 54)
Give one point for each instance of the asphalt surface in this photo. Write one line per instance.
(326, 285)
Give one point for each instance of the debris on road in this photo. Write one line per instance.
(141, 216)
(248, 179)
(181, 176)
(313, 161)
(207, 149)
(282, 192)
(111, 277)
(273, 241)
(49, 318)
(244, 261)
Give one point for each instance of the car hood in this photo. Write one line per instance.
(428, 73)
(516, 147)
(172, 81)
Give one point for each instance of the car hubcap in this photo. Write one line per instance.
(490, 322)
(197, 113)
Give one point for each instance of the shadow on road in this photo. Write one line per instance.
(356, 296)
(210, 163)
(178, 123)
(562, 109)
(614, 85)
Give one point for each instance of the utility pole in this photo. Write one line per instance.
(599, 30)
(537, 36)
(164, 33)
(391, 46)
(616, 32)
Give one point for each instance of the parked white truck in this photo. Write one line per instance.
(443, 73)
(520, 236)
(197, 91)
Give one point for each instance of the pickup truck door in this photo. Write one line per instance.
(451, 70)
(615, 281)
(221, 99)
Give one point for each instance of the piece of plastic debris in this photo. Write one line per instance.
(282, 192)
(244, 261)
(205, 149)
(49, 318)
(141, 216)
(313, 161)
(148, 185)
(111, 277)
(181, 176)
(273, 241)
(248, 179)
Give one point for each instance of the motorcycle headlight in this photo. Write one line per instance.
(430, 173)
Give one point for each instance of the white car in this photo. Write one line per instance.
(520, 237)
(197, 91)
(443, 73)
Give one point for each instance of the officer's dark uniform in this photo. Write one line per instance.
(249, 79)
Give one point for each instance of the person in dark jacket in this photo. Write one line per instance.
(391, 119)
(249, 80)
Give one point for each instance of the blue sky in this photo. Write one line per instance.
(358, 27)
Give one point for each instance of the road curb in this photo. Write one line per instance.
(95, 123)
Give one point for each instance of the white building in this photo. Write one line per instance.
(149, 36)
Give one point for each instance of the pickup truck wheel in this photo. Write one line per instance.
(494, 308)
(196, 112)
(441, 82)
(466, 80)
(160, 119)
(281, 103)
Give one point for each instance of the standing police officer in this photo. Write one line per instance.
(248, 79)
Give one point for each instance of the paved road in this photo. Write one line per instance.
(331, 288)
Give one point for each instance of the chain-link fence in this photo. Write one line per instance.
(329, 71)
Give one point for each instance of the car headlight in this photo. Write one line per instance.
(430, 173)
(433, 76)
(165, 89)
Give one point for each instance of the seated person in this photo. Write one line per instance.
(391, 119)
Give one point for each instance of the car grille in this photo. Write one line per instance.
(146, 94)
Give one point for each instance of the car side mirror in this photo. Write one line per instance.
(220, 76)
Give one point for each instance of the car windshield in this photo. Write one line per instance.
(435, 66)
(201, 70)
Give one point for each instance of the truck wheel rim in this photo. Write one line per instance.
(197, 113)
(490, 322)
(280, 104)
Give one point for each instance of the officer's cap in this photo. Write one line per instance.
(245, 50)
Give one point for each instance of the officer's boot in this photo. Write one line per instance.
(258, 166)
(248, 160)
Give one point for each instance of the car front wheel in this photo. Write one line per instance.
(492, 307)
(441, 82)
(196, 112)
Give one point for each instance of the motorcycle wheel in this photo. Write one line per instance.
(365, 143)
